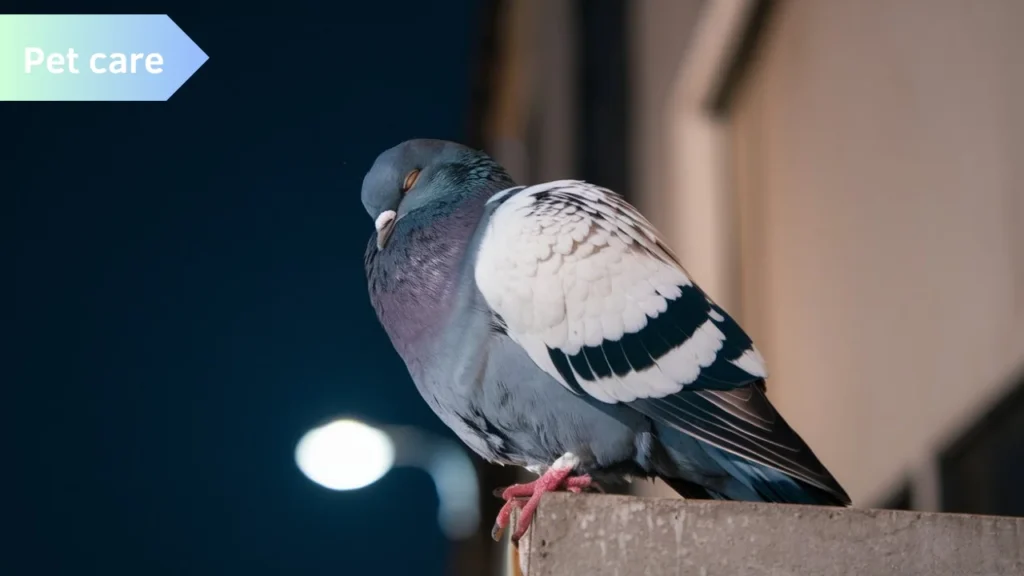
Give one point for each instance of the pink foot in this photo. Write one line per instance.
(556, 478)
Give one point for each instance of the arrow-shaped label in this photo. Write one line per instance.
(94, 57)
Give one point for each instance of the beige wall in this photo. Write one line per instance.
(661, 31)
(879, 165)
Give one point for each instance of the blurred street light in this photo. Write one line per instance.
(347, 454)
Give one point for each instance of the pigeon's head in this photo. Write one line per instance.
(417, 173)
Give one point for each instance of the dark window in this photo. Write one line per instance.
(603, 122)
(983, 471)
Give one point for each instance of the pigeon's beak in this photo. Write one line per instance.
(385, 224)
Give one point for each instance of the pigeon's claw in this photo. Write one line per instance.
(558, 477)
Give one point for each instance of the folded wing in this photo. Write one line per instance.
(586, 285)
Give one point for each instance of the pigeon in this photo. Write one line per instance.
(550, 327)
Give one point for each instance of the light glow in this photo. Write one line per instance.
(345, 455)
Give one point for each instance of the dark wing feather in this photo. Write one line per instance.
(742, 422)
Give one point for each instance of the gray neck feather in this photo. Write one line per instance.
(415, 281)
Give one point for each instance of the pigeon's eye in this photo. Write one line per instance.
(410, 180)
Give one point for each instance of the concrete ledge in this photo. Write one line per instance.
(625, 536)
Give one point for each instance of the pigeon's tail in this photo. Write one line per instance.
(726, 476)
(758, 483)
(766, 461)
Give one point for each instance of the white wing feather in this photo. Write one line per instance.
(574, 270)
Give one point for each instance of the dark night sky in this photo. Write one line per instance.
(189, 298)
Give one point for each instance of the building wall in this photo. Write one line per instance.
(878, 162)
(661, 31)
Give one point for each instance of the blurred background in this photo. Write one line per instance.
(845, 178)
(190, 316)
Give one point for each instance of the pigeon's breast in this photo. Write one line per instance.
(414, 281)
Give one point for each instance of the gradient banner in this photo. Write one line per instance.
(94, 57)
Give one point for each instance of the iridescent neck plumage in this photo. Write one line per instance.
(416, 278)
